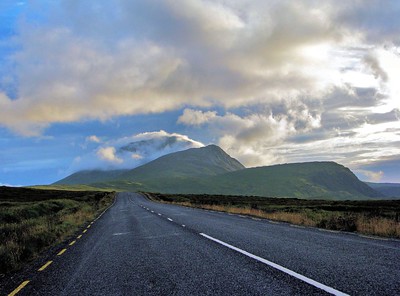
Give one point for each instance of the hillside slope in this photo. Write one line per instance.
(302, 180)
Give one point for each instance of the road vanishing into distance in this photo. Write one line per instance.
(139, 247)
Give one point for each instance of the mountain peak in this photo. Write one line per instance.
(213, 147)
(208, 161)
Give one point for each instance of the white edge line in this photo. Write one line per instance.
(281, 268)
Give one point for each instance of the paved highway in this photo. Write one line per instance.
(139, 247)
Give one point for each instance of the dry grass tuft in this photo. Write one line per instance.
(378, 226)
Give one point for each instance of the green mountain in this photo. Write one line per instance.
(388, 189)
(209, 170)
(316, 180)
(206, 161)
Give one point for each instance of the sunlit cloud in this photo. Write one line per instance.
(132, 151)
(64, 66)
(371, 176)
(108, 154)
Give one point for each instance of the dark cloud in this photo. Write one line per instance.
(377, 20)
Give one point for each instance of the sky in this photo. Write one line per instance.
(268, 81)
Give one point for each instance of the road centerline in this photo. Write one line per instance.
(45, 266)
(61, 252)
(19, 288)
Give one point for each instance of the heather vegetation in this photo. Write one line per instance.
(376, 217)
(31, 220)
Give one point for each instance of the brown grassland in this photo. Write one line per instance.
(373, 217)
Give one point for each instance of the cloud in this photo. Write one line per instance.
(250, 137)
(100, 60)
(295, 131)
(93, 138)
(130, 152)
(373, 62)
(371, 176)
(196, 117)
(108, 154)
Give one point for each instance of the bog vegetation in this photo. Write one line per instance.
(378, 217)
(31, 220)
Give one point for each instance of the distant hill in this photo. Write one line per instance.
(388, 189)
(206, 161)
(209, 170)
(317, 180)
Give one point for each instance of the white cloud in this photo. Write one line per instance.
(196, 117)
(100, 60)
(108, 154)
(371, 176)
(93, 138)
(130, 152)
(250, 138)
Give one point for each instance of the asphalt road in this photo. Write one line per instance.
(139, 247)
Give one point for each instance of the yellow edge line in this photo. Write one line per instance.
(73, 242)
(45, 266)
(19, 288)
(61, 252)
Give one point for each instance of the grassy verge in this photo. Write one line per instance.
(32, 220)
(380, 218)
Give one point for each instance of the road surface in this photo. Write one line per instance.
(138, 247)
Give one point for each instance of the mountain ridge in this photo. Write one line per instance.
(210, 170)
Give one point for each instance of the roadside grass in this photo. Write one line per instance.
(32, 220)
(377, 217)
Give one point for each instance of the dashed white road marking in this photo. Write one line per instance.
(170, 219)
